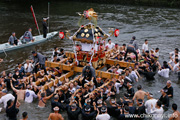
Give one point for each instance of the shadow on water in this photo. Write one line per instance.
(159, 25)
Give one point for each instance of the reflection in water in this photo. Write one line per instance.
(159, 25)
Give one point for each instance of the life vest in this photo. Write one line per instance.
(116, 32)
(61, 35)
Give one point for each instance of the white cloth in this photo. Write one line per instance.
(29, 96)
(164, 73)
(96, 47)
(157, 113)
(119, 71)
(156, 54)
(29, 69)
(176, 67)
(117, 85)
(145, 47)
(72, 90)
(172, 53)
(134, 74)
(110, 46)
(56, 51)
(6, 98)
(103, 117)
(148, 105)
(86, 47)
(178, 56)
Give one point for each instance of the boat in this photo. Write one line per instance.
(37, 39)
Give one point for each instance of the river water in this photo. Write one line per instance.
(159, 25)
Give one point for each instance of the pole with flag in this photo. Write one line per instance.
(48, 15)
(34, 16)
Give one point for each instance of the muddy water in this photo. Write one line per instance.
(159, 25)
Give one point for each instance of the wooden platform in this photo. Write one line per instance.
(73, 69)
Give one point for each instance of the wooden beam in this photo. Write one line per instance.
(121, 63)
(60, 65)
(45, 78)
(62, 78)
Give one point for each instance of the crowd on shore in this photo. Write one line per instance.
(91, 96)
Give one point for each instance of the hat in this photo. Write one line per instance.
(169, 82)
(4, 91)
(99, 101)
(73, 106)
(130, 67)
(46, 18)
(103, 109)
(140, 101)
(89, 100)
(113, 101)
(150, 94)
(165, 90)
(56, 108)
(130, 84)
(87, 108)
(126, 95)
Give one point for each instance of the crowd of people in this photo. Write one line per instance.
(92, 96)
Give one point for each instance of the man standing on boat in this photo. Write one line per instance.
(39, 60)
(132, 47)
(13, 40)
(45, 27)
(27, 37)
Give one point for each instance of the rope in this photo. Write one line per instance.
(93, 44)
(4, 52)
(75, 52)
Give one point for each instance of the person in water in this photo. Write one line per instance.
(176, 113)
(56, 115)
(24, 116)
(132, 47)
(43, 98)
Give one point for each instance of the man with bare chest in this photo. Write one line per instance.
(56, 115)
(140, 94)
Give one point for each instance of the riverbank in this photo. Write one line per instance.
(152, 3)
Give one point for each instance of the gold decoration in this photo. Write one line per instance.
(96, 34)
(87, 35)
(86, 30)
(82, 34)
(74, 37)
